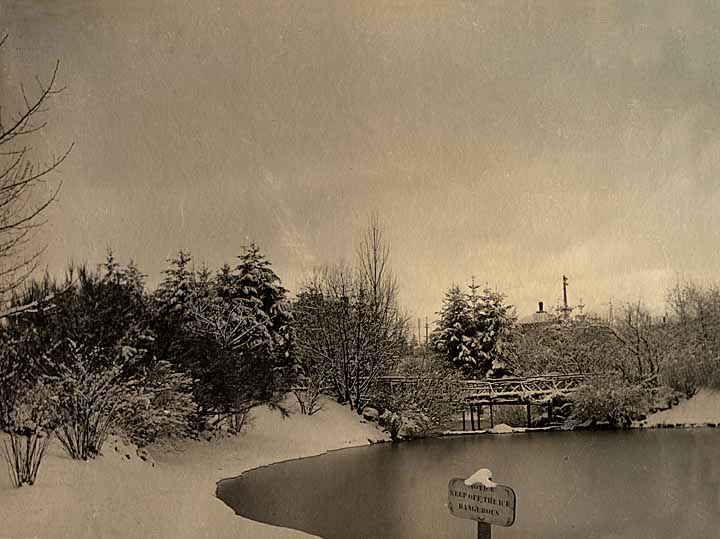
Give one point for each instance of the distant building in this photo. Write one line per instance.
(541, 316)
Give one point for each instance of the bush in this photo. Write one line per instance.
(27, 419)
(159, 404)
(610, 399)
(426, 405)
(89, 406)
(26, 407)
(309, 396)
(688, 373)
(410, 423)
(152, 402)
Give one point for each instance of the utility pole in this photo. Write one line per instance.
(565, 308)
(473, 287)
(426, 333)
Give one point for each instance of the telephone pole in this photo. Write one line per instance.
(565, 307)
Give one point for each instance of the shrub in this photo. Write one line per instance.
(427, 404)
(27, 418)
(159, 404)
(410, 423)
(610, 399)
(26, 407)
(308, 396)
(153, 401)
(89, 405)
(688, 373)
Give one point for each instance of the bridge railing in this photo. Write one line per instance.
(507, 390)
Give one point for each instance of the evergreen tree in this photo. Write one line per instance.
(172, 307)
(475, 331)
(104, 309)
(231, 331)
(260, 288)
(173, 295)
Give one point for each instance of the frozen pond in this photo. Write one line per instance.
(652, 483)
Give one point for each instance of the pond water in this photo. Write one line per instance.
(609, 484)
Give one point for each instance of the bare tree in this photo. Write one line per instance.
(692, 337)
(349, 325)
(24, 191)
(641, 348)
(566, 347)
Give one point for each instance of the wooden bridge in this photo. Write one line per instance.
(529, 391)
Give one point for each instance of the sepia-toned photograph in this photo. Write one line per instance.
(359, 269)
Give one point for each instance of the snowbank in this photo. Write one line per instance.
(704, 407)
(171, 494)
(502, 428)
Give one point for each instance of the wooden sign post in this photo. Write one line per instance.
(487, 505)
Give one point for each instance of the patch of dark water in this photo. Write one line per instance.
(608, 484)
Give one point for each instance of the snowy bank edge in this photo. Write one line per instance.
(305, 457)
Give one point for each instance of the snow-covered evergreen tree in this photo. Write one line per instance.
(475, 331)
(174, 293)
(259, 286)
(230, 330)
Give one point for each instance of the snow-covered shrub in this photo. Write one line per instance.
(664, 397)
(688, 372)
(159, 404)
(151, 402)
(424, 405)
(310, 387)
(611, 399)
(26, 406)
(309, 397)
(411, 423)
(27, 418)
(89, 404)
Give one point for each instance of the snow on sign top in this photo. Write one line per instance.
(492, 505)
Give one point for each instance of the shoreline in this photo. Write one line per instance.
(172, 493)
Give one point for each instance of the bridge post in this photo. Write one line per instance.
(472, 418)
(492, 422)
(549, 412)
(463, 419)
(528, 415)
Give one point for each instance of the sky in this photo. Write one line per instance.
(510, 141)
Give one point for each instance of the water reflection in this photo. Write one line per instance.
(658, 483)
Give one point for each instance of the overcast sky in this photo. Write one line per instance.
(512, 141)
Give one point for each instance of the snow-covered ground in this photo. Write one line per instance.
(114, 496)
(704, 407)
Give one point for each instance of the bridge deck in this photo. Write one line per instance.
(535, 389)
(530, 390)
